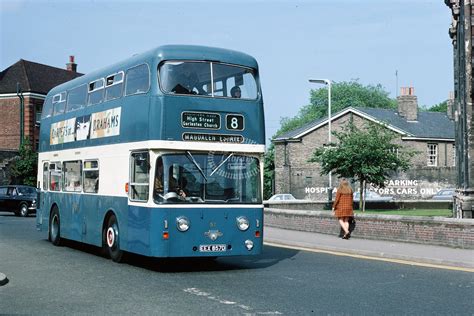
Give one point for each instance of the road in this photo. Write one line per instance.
(76, 279)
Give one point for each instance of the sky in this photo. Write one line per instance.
(293, 41)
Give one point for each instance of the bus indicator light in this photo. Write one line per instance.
(257, 233)
(166, 235)
(126, 187)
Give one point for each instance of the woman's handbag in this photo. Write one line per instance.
(352, 224)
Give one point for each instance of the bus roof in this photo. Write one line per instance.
(167, 52)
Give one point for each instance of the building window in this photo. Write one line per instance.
(454, 155)
(432, 155)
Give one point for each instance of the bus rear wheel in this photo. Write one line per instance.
(55, 227)
(111, 239)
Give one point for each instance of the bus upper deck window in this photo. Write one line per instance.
(59, 103)
(96, 92)
(76, 98)
(47, 108)
(113, 86)
(193, 77)
(137, 80)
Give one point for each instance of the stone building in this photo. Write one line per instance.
(430, 134)
(23, 88)
(462, 34)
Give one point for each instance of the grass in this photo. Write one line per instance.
(410, 212)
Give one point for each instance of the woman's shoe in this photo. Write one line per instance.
(346, 236)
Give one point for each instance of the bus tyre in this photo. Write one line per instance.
(23, 212)
(55, 227)
(111, 239)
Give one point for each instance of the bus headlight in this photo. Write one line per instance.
(182, 223)
(242, 223)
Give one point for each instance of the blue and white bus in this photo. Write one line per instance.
(159, 155)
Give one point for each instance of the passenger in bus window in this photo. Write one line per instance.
(235, 92)
(187, 81)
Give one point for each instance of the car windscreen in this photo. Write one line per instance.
(26, 191)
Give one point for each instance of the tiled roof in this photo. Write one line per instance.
(428, 125)
(33, 77)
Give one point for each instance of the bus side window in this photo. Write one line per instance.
(59, 103)
(76, 98)
(91, 176)
(113, 86)
(139, 176)
(45, 176)
(72, 176)
(137, 80)
(55, 176)
(96, 92)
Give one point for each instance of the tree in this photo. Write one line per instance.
(343, 95)
(269, 172)
(441, 107)
(24, 169)
(367, 155)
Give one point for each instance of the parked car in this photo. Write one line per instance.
(372, 196)
(20, 199)
(282, 197)
(444, 195)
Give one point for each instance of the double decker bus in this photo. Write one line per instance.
(159, 155)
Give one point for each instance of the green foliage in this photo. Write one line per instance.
(269, 172)
(343, 95)
(25, 168)
(367, 155)
(441, 107)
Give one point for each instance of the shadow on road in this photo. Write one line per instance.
(270, 256)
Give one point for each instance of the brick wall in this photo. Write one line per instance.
(457, 233)
(10, 122)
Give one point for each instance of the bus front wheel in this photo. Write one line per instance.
(55, 227)
(111, 239)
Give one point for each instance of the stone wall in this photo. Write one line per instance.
(6, 158)
(457, 233)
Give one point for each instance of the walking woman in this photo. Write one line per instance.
(342, 207)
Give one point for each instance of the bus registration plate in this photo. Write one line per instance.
(212, 248)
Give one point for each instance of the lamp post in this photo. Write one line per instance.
(328, 83)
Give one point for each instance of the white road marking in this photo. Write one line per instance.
(198, 292)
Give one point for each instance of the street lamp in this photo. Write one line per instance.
(328, 83)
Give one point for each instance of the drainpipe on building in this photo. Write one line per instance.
(19, 93)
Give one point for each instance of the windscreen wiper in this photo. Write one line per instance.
(220, 165)
(190, 157)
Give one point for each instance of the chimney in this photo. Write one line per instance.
(71, 65)
(408, 104)
(451, 105)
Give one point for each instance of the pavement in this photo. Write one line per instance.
(384, 250)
